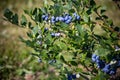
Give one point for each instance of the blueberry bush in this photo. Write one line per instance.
(63, 34)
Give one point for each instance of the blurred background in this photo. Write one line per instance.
(15, 61)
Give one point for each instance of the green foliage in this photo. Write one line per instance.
(23, 21)
(76, 42)
(13, 18)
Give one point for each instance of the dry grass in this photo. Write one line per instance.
(112, 10)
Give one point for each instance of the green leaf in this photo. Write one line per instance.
(96, 8)
(21, 38)
(83, 57)
(35, 11)
(44, 10)
(67, 7)
(29, 35)
(27, 42)
(44, 53)
(104, 16)
(27, 12)
(37, 15)
(79, 70)
(92, 3)
(73, 63)
(114, 35)
(102, 52)
(34, 54)
(63, 26)
(35, 30)
(62, 59)
(80, 30)
(58, 9)
(102, 11)
(48, 39)
(30, 25)
(110, 22)
(92, 26)
(87, 62)
(71, 11)
(86, 17)
(97, 18)
(15, 19)
(45, 3)
(8, 14)
(100, 76)
(23, 20)
(61, 45)
(89, 11)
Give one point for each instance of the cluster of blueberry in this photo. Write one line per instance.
(100, 63)
(107, 68)
(73, 76)
(66, 18)
(53, 34)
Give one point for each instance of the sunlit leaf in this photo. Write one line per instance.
(23, 21)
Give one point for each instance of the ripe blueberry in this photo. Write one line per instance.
(69, 76)
(106, 69)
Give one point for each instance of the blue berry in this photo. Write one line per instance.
(45, 17)
(70, 17)
(68, 21)
(69, 77)
(95, 57)
(52, 21)
(57, 19)
(53, 18)
(77, 17)
(100, 64)
(45, 29)
(118, 63)
(75, 14)
(66, 18)
(106, 69)
(66, 14)
(74, 76)
(61, 18)
(53, 34)
(112, 71)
